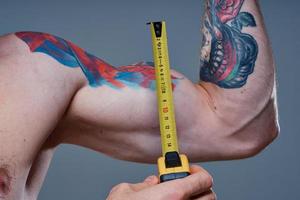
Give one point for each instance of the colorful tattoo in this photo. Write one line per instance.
(97, 71)
(228, 56)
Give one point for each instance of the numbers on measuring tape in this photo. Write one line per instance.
(164, 90)
(165, 109)
(159, 43)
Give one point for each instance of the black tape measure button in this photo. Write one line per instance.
(172, 159)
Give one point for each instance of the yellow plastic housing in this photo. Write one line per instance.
(162, 169)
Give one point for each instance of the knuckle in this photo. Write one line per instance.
(124, 186)
(120, 190)
(121, 187)
(203, 183)
(207, 180)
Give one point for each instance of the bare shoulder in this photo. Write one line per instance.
(35, 93)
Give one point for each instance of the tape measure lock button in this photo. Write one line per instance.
(172, 159)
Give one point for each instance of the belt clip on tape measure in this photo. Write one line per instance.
(171, 165)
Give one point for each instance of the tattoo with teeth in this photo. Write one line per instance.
(232, 53)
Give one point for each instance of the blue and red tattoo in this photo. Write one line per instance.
(97, 71)
(228, 56)
(227, 59)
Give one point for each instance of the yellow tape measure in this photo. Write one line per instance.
(171, 165)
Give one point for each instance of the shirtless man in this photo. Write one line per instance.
(54, 92)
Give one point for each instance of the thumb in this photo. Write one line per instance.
(148, 182)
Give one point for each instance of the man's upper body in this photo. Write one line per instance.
(54, 92)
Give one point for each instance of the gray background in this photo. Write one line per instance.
(115, 30)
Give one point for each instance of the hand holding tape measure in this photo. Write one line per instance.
(171, 165)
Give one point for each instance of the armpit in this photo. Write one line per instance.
(5, 181)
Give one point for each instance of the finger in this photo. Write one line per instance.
(148, 182)
(120, 188)
(210, 195)
(196, 168)
(194, 184)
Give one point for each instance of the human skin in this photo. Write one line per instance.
(47, 100)
(197, 186)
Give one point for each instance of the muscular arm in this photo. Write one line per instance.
(54, 92)
(230, 113)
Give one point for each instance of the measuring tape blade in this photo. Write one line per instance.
(171, 165)
(164, 88)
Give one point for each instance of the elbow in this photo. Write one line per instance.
(257, 144)
(258, 134)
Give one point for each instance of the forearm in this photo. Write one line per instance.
(237, 67)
